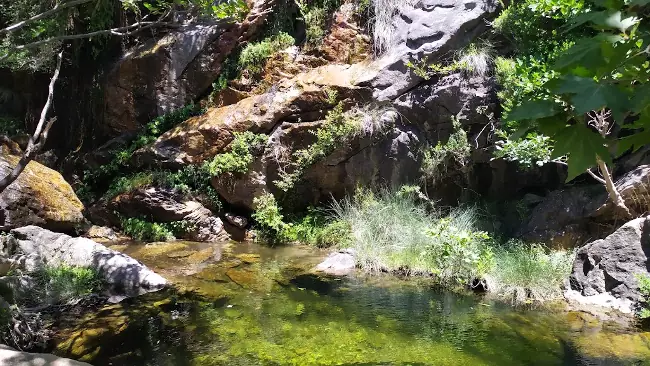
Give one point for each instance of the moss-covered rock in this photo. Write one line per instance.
(40, 196)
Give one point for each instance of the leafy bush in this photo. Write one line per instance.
(253, 57)
(391, 232)
(56, 285)
(454, 153)
(525, 273)
(240, 156)
(129, 183)
(532, 150)
(143, 230)
(318, 229)
(10, 127)
(271, 225)
(644, 289)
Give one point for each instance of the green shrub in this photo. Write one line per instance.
(525, 273)
(336, 131)
(454, 153)
(644, 289)
(56, 285)
(129, 183)
(11, 127)
(143, 230)
(534, 149)
(240, 156)
(270, 221)
(318, 229)
(253, 57)
(391, 232)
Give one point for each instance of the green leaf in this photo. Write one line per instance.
(588, 95)
(604, 19)
(639, 3)
(641, 98)
(581, 145)
(586, 52)
(634, 142)
(535, 109)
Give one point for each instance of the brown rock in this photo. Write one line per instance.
(346, 43)
(170, 72)
(40, 196)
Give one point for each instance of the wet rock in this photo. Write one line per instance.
(9, 356)
(124, 273)
(338, 263)
(168, 73)
(239, 222)
(101, 232)
(40, 196)
(610, 265)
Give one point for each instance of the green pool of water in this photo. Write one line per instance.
(251, 305)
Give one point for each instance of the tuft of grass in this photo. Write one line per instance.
(392, 231)
(58, 285)
(476, 59)
(383, 30)
(529, 272)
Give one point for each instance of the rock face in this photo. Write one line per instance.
(338, 263)
(611, 265)
(570, 217)
(346, 42)
(168, 73)
(431, 28)
(162, 205)
(40, 196)
(9, 356)
(126, 275)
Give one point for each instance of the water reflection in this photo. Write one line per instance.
(261, 306)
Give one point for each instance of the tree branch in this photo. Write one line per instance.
(58, 7)
(37, 141)
(599, 179)
(614, 194)
(121, 31)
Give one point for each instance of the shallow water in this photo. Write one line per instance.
(244, 304)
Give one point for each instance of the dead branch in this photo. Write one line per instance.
(37, 140)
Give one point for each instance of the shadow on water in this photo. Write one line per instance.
(273, 313)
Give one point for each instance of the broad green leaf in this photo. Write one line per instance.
(641, 98)
(535, 109)
(639, 2)
(604, 19)
(581, 145)
(634, 142)
(588, 95)
(551, 126)
(583, 51)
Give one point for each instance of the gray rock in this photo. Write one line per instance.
(123, 273)
(338, 263)
(433, 105)
(162, 205)
(101, 232)
(9, 356)
(239, 222)
(611, 265)
(432, 28)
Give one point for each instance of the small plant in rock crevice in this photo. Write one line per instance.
(644, 289)
(254, 56)
(241, 154)
(437, 160)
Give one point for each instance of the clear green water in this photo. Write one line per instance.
(265, 308)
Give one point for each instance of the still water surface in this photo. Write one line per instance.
(245, 304)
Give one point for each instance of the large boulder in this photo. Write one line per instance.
(124, 274)
(570, 217)
(611, 265)
(40, 196)
(170, 72)
(162, 205)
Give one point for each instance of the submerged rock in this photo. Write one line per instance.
(40, 196)
(125, 274)
(611, 265)
(10, 356)
(338, 263)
